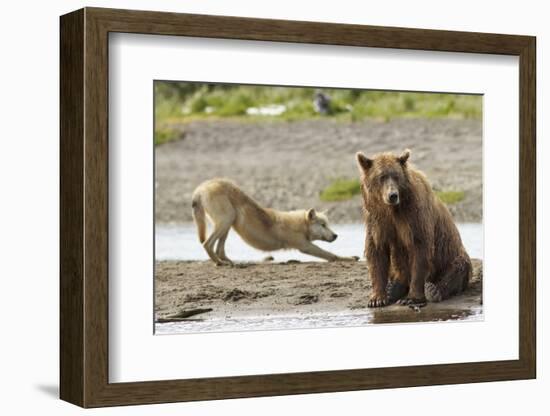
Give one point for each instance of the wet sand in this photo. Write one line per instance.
(285, 165)
(290, 289)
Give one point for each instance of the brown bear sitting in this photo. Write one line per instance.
(413, 248)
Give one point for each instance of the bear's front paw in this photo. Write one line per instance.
(408, 301)
(433, 293)
(377, 301)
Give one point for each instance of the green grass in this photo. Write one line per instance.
(344, 189)
(450, 197)
(165, 135)
(340, 190)
(177, 103)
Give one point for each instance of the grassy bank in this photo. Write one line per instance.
(177, 103)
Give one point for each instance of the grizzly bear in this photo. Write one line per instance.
(413, 248)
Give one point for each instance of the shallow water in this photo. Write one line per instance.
(320, 320)
(179, 242)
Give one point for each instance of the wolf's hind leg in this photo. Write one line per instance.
(220, 229)
(220, 247)
(452, 283)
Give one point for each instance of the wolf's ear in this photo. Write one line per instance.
(404, 156)
(311, 214)
(364, 162)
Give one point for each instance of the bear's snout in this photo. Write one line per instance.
(334, 237)
(393, 198)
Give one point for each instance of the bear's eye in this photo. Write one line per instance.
(382, 178)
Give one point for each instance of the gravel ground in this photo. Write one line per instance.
(285, 165)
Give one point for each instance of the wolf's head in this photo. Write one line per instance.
(318, 228)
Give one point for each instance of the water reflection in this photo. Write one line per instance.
(390, 315)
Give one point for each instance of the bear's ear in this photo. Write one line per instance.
(364, 162)
(311, 214)
(404, 156)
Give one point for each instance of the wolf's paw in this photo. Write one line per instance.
(377, 301)
(224, 263)
(395, 291)
(408, 301)
(352, 258)
(433, 293)
(341, 258)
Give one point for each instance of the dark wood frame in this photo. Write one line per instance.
(84, 207)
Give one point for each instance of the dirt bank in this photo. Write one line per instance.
(271, 289)
(285, 165)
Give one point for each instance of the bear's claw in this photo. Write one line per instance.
(377, 301)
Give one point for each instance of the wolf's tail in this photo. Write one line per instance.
(200, 217)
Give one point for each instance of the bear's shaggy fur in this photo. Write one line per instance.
(413, 248)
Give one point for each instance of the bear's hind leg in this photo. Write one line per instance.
(453, 282)
(398, 285)
(419, 273)
(396, 290)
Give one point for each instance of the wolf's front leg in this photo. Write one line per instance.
(313, 250)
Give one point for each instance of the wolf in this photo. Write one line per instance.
(227, 206)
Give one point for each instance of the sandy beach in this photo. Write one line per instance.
(293, 288)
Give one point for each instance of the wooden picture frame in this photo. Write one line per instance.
(84, 207)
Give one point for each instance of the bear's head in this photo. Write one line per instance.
(384, 176)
